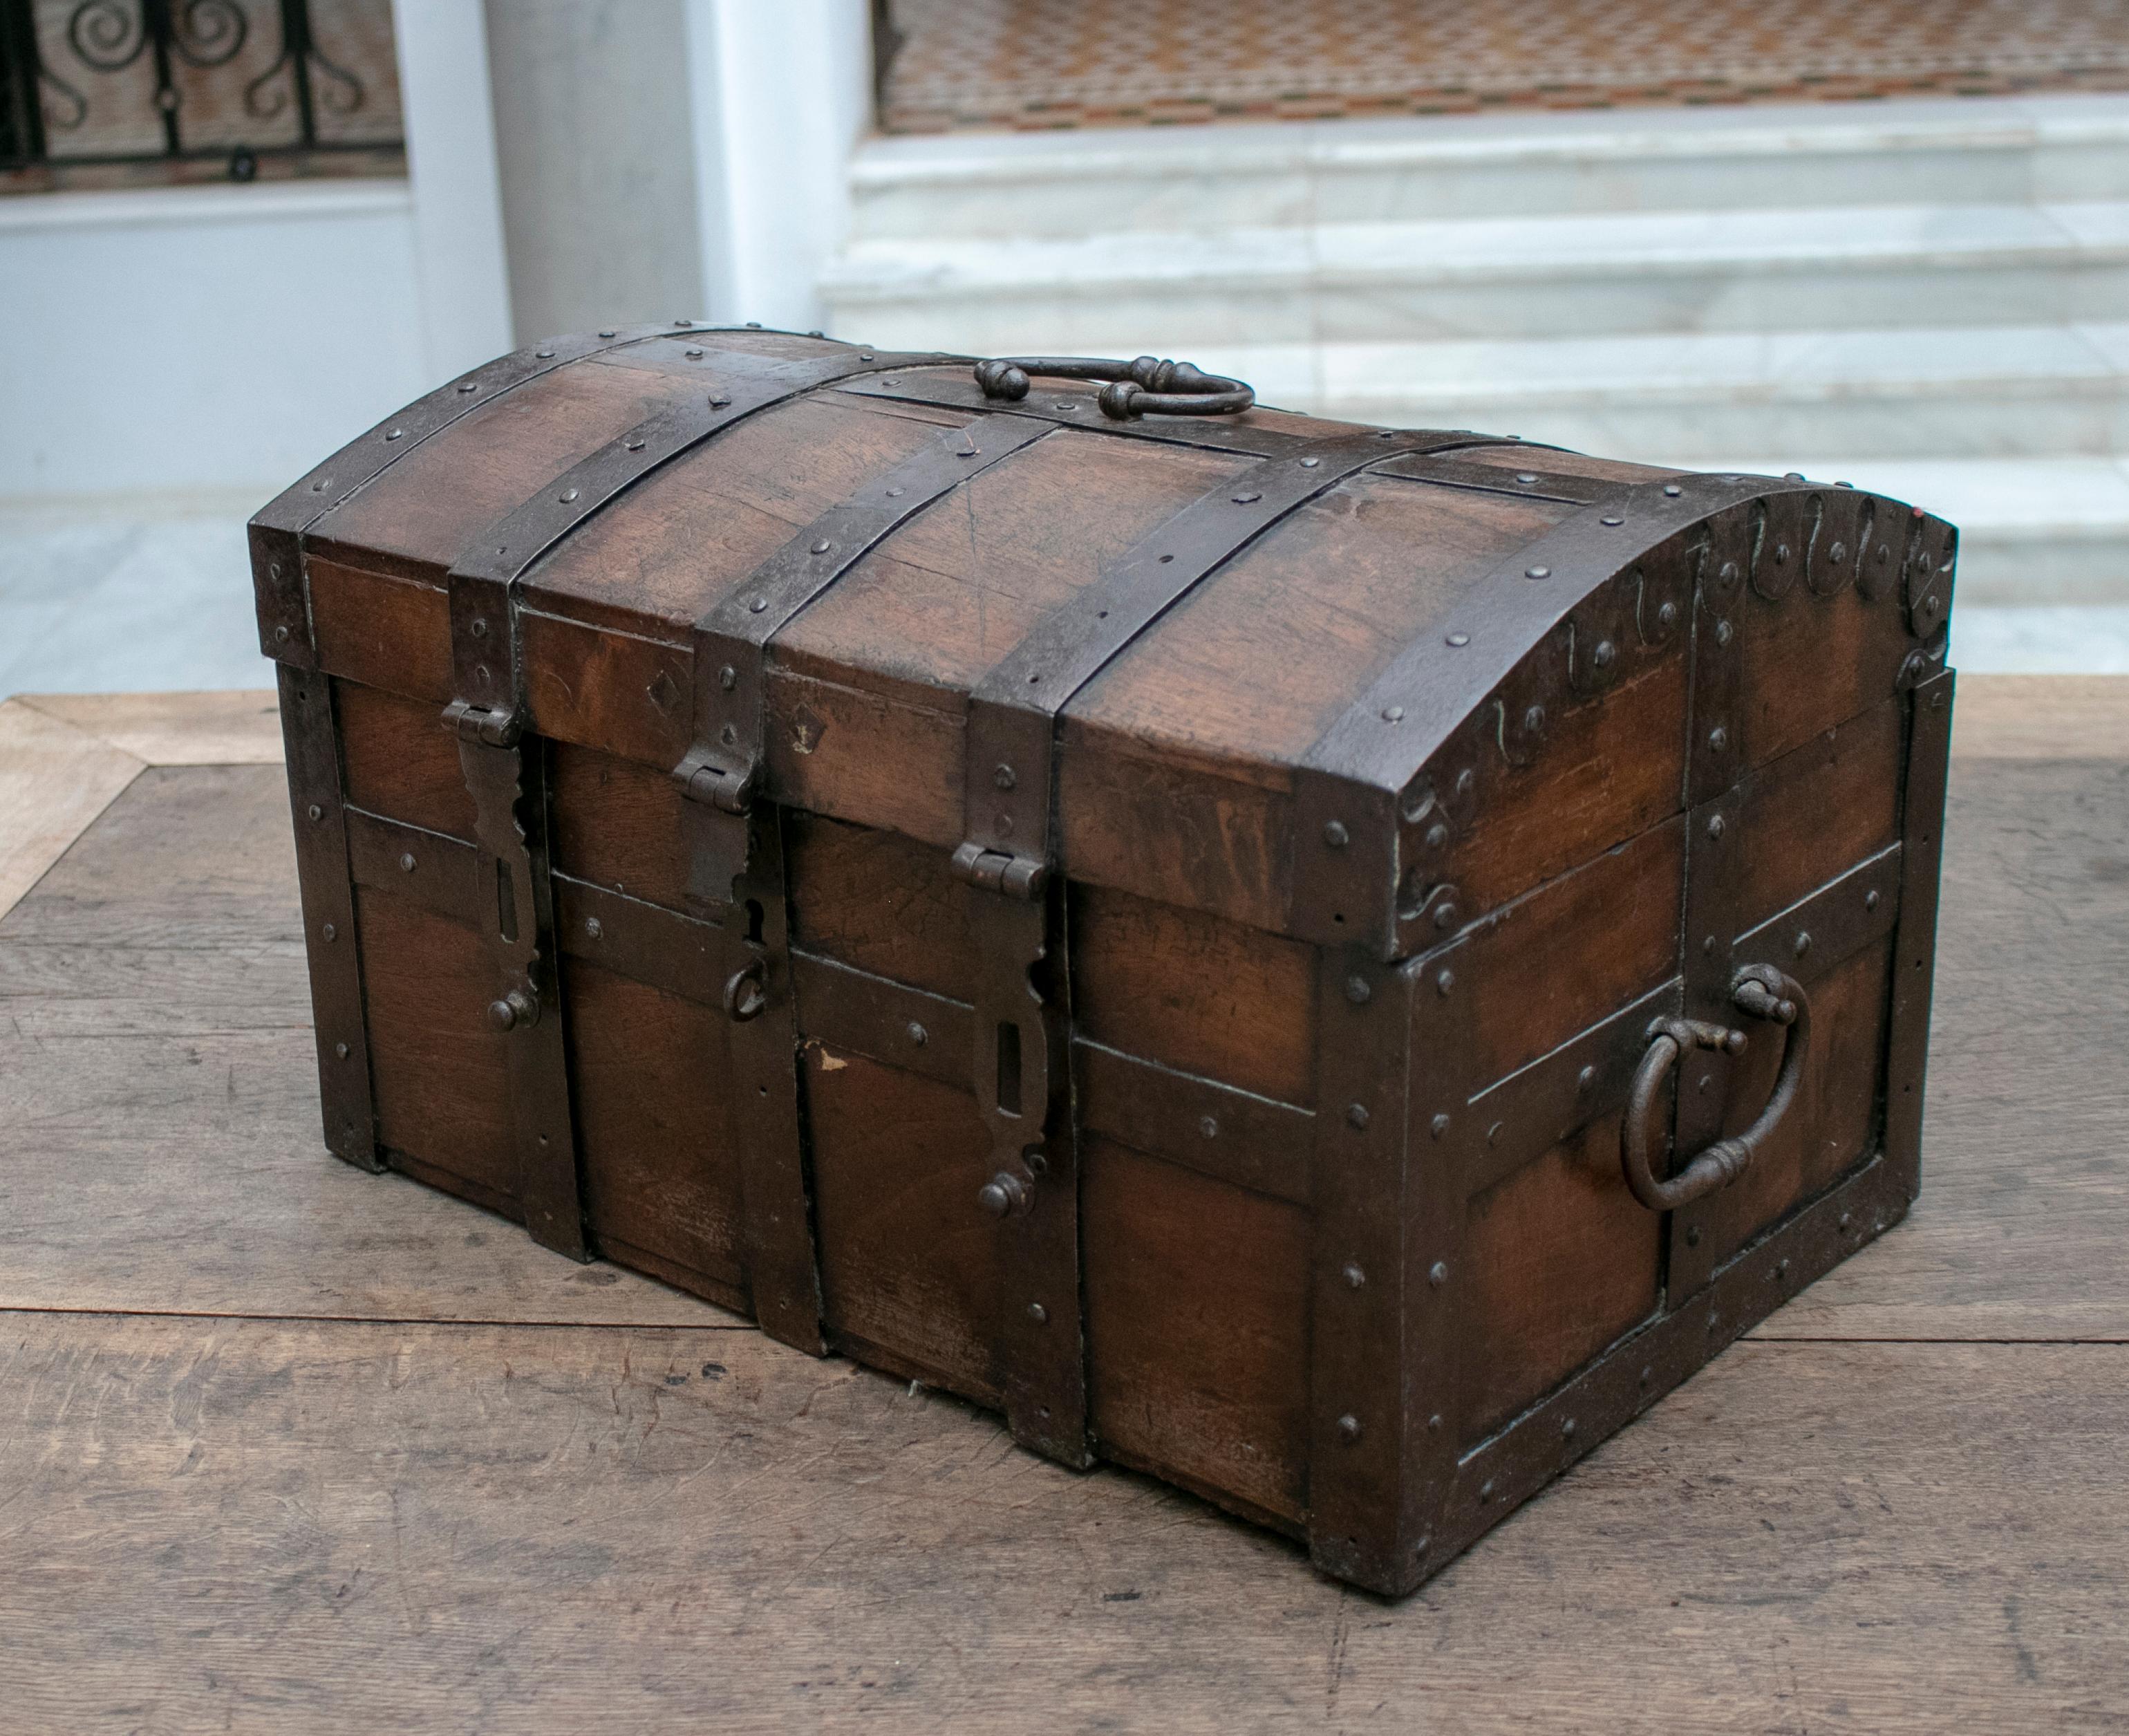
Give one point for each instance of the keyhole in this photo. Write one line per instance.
(1008, 1068)
(506, 901)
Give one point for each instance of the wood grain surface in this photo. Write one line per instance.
(285, 1447)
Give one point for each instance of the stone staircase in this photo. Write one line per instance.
(1931, 298)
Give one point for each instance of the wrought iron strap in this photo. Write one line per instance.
(485, 650)
(1012, 711)
(720, 770)
(284, 629)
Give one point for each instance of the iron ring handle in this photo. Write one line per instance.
(747, 993)
(1146, 387)
(1759, 991)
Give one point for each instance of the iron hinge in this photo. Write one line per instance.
(471, 723)
(712, 785)
(1000, 870)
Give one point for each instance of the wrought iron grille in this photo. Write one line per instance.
(94, 91)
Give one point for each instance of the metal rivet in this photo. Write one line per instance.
(755, 605)
(1336, 835)
(1486, 1489)
(606, 334)
(1445, 914)
(330, 932)
(1457, 639)
(1464, 779)
(1437, 1274)
(1524, 476)
(316, 812)
(1602, 655)
(479, 628)
(1672, 489)
(1437, 836)
(594, 927)
(1612, 518)
(1357, 991)
(1838, 553)
(1310, 464)
(1585, 1079)
(1648, 1374)
(1781, 554)
(1208, 1127)
(1005, 777)
(918, 1035)
(1493, 1133)
(1438, 1126)
(1244, 499)
(1715, 827)
(1567, 1429)
(1667, 615)
(1842, 1221)
(1714, 1320)
(694, 355)
(1802, 944)
(545, 354)
(719, 401)
(1002, 823)
(1349, 1429)
(1357, 1113)
(634, 444)
(1871, 899)
(1038, 1314)
(1723, 632)
(340, 1050)
(1692, 1235)
(1537, 572)
(319, 486)
(896, 493)
(1355, 1277)
(568, 495)
(867, 355)
(406, 862)
(467, 385)
(394, 433)
(1394, 715)
(1726, 574)
(728, 678)
(1781, 1269)
(1434, 1424)
(1718, 738)
(1444, 981)
(822, 547)
(480, 673)
(281, 635)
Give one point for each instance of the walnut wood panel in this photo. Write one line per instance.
(960, 585)
(909, 1264)
(1819, 810)
(1194, 993)
(1551, 964)
(617, 823)
(1835, 1120)
(616, 692)
(400, 762)
(391, 634)
(692, 530)
(866, 756)
(1808, 661)
(1550, 459)
(414, 518)
(661, 1179)
(442, 1092)
(879, 902)
(1258, 662)
(1563, 1261)
(1197, 1311)
(1606, 771)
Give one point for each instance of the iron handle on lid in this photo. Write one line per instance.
(1146, 387)
(1758, 991)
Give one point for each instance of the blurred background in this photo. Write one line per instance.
(1870, 240)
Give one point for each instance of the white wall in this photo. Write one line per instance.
(781, 94)
(201, 338)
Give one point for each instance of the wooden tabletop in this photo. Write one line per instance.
(286, 1447)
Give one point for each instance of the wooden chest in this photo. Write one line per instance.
(1331, 964)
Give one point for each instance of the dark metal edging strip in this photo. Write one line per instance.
(276, 531)
(1914, 948)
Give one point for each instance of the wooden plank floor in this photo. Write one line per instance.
(285, 1447)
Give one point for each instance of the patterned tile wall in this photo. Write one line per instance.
(1039, 64)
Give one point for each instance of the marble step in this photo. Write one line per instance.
(2048, 532)
(1989, 391)
(1199, 180)
(1741, 271)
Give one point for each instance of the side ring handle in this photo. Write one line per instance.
(1758, 991)
(1146, 387)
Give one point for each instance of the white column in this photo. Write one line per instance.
(781, 93)
(458, 205)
